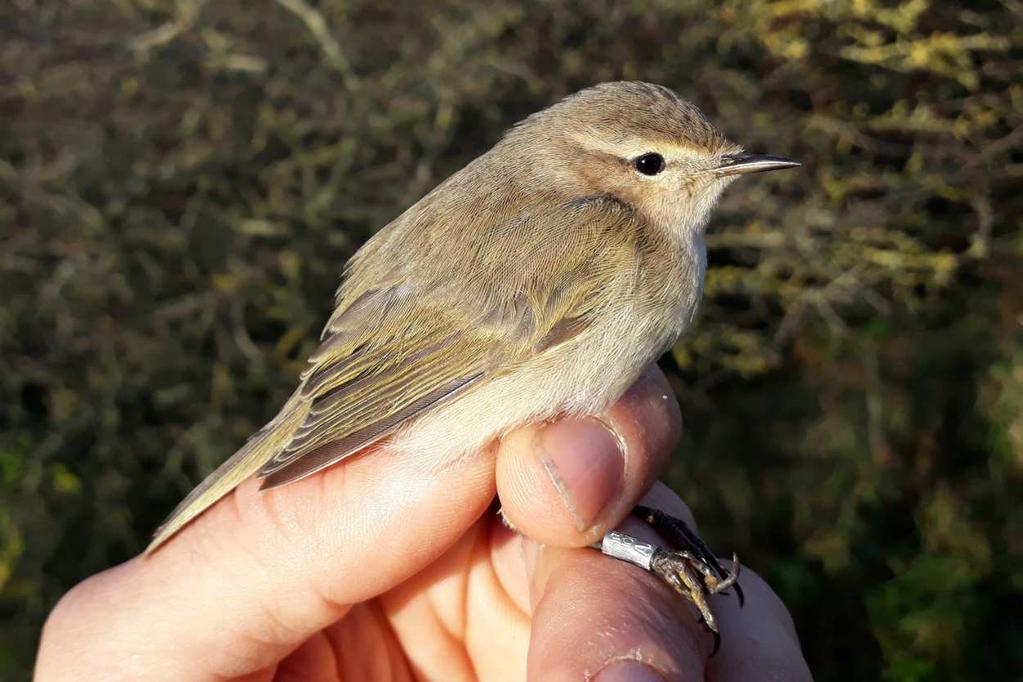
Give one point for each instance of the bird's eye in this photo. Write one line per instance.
(650, 163)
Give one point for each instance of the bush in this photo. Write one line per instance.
(181, 183)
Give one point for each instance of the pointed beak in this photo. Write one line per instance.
(743, 163)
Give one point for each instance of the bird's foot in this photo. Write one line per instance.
(715, 578)
(689, 567)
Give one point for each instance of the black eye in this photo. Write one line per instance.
(650, 163)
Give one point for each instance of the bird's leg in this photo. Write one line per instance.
(690, 567)
(676, 569)
(691, 548)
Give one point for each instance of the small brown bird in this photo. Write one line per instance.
(537, 281)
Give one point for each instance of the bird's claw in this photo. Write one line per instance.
(716, 579)
(694, 579)
(690, 568)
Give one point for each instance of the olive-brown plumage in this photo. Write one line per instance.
(538, 280)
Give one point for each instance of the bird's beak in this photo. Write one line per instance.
(743, 163)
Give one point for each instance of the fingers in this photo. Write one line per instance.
(569, 482)
(602, 619)
(261, 571)
(597, 618)
(758, 641)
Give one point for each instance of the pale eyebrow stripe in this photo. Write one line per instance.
(634, 148)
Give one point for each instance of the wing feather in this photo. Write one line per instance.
(381, 396)
(409, 335)
(325, 455)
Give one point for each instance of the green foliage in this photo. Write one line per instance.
(180, 184)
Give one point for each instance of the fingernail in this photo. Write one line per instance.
(585, 462)
(628, 671)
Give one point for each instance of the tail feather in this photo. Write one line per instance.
(241, 465)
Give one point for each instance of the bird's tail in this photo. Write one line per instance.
(263, 445)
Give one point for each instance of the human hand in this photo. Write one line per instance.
(385, 569)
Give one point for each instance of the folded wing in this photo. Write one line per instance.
(405, 338)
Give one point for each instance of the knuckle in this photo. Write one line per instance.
(67, 626)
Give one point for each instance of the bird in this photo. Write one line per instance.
(537, 281)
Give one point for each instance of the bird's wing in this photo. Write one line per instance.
(404, 339)
(400, 346)
(359, 389)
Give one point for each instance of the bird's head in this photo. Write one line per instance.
(641, 144)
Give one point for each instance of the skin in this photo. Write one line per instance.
(297, 583)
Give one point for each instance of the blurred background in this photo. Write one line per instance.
(181, 182)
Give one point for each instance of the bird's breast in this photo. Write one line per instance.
(671, 286)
